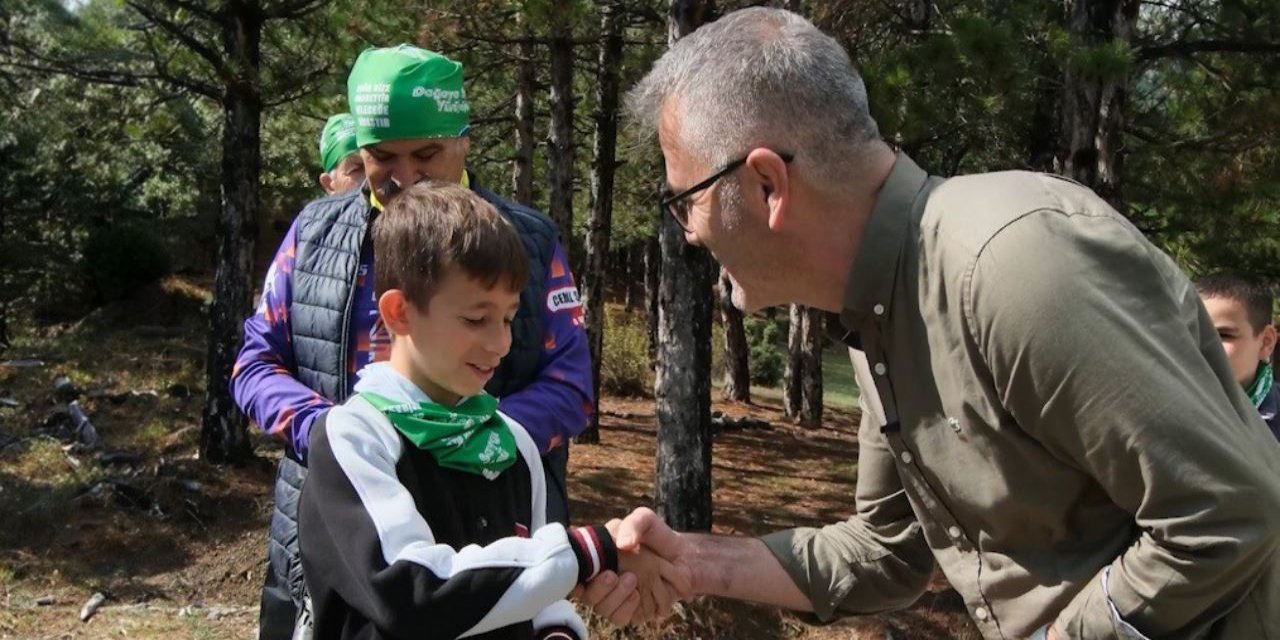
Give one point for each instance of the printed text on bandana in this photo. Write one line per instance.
(371, 104)
(447, 101)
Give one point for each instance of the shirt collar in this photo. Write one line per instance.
(382, 378)
(869, 289)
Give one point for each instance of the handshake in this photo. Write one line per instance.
(653, 572)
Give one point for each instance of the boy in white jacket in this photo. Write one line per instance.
(424, 515)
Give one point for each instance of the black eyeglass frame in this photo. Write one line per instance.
(682, 218)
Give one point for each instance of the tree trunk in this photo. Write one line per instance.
(1042, 135)
(603, 163)
(223, 437)
(1093, 104)
(6, 280)
(652, 276)
(683, 389)
(635, 276)
(737, 370)
(526, 87)
(793, 390)
(560, 156)
(813, 340)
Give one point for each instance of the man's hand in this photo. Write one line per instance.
(652, 555)
(644, 529)
(656, 596)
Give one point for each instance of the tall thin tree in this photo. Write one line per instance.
(652, 278)
(813, 339)
(526, 88)
(737, 363)
(215, 50)
(603, 163)
(1095, 101)
(802, 391)
(683, 387)
(561, 149)
(635, 276)
(793, 379)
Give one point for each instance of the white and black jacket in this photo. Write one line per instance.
(395, 546)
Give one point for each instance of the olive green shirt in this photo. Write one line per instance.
(1048, 415)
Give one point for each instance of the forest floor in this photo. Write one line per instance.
(177, 545)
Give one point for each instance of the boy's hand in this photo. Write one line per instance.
(647, 584)
(611, 596)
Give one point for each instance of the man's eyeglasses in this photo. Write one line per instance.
(678, 205)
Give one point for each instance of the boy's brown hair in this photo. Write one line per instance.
(1256, 298)
(433, 227)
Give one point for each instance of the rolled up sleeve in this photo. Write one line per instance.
(873, 562)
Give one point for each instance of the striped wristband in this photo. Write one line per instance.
(595, 550)
(558, 633)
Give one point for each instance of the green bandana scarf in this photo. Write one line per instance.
(469, 437)
(1261, 383)
(337, 140)
(404, 92)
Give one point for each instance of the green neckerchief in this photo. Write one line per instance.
(1261, 383)
(469, 437)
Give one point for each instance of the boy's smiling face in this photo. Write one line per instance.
(1245, 346)
(451, 346)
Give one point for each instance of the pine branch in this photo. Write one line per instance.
(1190, 48)
(300, 88)
(161, 65)
(506, 41)
(292, 10)
(98, 76)
(196, 8)
(182, 33)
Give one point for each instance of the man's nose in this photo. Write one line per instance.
(404, 173)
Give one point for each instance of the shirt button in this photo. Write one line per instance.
(981, 613)
(482, 523)
(954, 532)
(907, 457)
(878, 309)
(880, 368)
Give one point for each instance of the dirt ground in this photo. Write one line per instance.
(177, 546)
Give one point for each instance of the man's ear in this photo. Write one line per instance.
(326, 183)
(773, 183)
(395, 310)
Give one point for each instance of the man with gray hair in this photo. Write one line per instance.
(1048, 415)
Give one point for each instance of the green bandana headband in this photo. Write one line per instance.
(337, 140)
(1261, 383)
(405, 92)
(469, 437)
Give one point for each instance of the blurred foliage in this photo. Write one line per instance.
(963, 86)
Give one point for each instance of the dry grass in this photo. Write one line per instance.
(70, 530)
